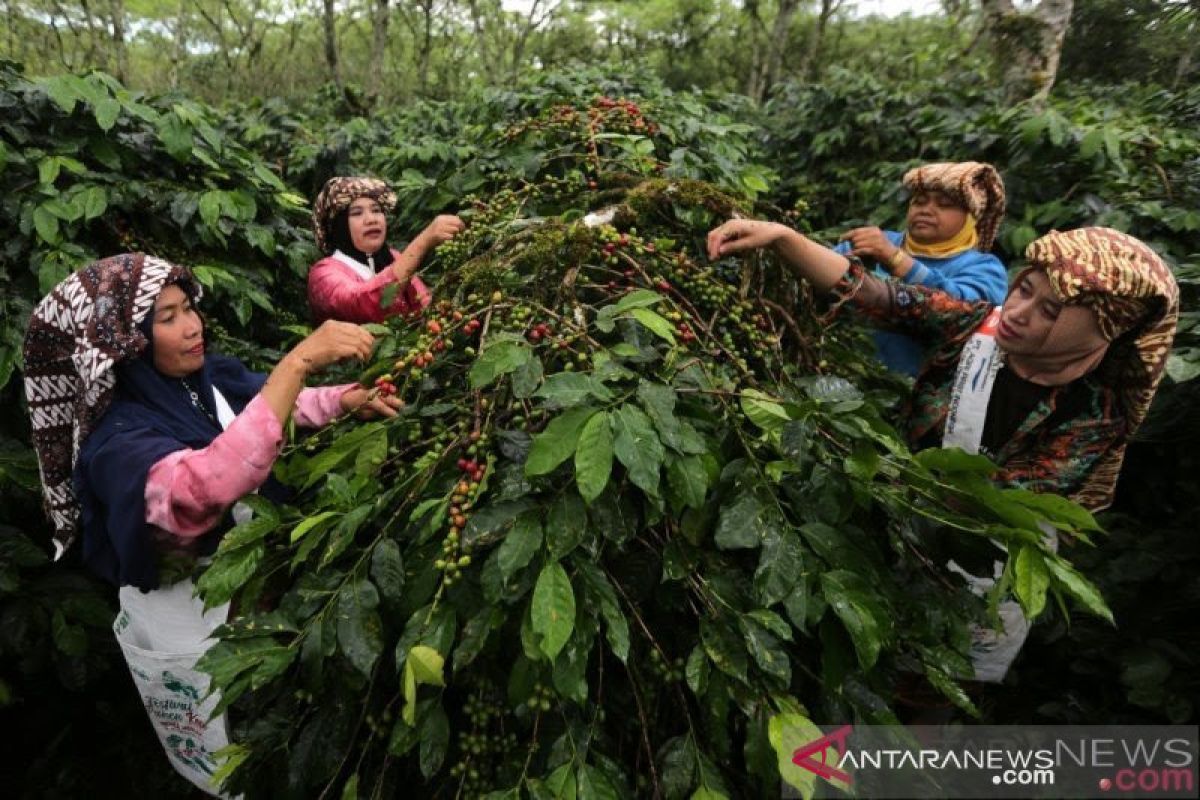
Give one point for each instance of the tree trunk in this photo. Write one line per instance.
(179, 54)
(120, 50)
(815, 52)
(777, 45)
(331, 54)
(379, 42)
(426, 50)
(1027, 44)
(757, 74)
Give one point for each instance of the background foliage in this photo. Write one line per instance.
(90, 166)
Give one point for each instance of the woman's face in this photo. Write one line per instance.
(178, 334)
(368, 225)
(934, 216)
(1029, 312)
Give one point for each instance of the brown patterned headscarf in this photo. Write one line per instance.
(336, 196)
(78, 333)
(1136, 303)
(977, 186)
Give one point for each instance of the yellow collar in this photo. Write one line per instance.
(966, 238)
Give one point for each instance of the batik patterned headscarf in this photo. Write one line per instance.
(1136, 302)
(337, 195)
(85, 327)
(977, 186)
(1134, 295)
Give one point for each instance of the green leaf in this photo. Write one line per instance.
(860, 610)
(371, 456)
(657, 325)
(1032, 579)
(565, 523)
(763, 410)
(600, 592)
(696, 671)
(789, 732)
(688, 481)
(176, 136)
(359, 630)
(955, 461)
(593, 784)
(69, 639)
(525, 378)
(435, 739)
(740, 524)
(387, 569)
(678, 766)
(46, 225)
(95, 202)
(724, 648)
(309, 524)
(63, 90)
(765, 648)
(553, 609)
(779, 567)
(1079, 587)
(561, 783)
(557, 442)
(48, 169)
(637, 447)
(427, 665)
(496, 360)
(211, 203)
(106, 111)
(520, 545)
(565, 389)
(228, 573)
(594, 457)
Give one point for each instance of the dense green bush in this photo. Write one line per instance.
(706, 555)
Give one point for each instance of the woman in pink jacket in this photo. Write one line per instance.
(350, 224)
(147, 442)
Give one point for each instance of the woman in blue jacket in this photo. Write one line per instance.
(953, 215)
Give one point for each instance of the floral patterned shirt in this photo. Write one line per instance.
(1067, 442)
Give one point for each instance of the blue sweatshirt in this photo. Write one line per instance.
(970, 275)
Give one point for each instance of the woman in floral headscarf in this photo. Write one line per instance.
(1051, 385)
(954, 212)
(350, 224)
(146, 443)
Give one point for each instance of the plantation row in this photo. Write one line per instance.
(644, 518)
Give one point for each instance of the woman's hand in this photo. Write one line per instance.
(804, 257)
(443, 228)
(369, 403)
(743, 235)
(870, 242)
(333, 341)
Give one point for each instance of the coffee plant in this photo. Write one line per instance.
(643, 517)
(632, 529)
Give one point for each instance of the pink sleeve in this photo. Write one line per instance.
(318, 407)
(335, 292)
(189, 491)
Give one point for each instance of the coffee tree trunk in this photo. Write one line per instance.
(1027, 44)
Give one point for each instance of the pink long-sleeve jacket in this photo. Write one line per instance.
(338, 288)
(188, 491)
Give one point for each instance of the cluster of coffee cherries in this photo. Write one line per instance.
(456, 555)
(613, 241)
(541, 698)
(667, 670)
(384, 386)
(480, 749)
